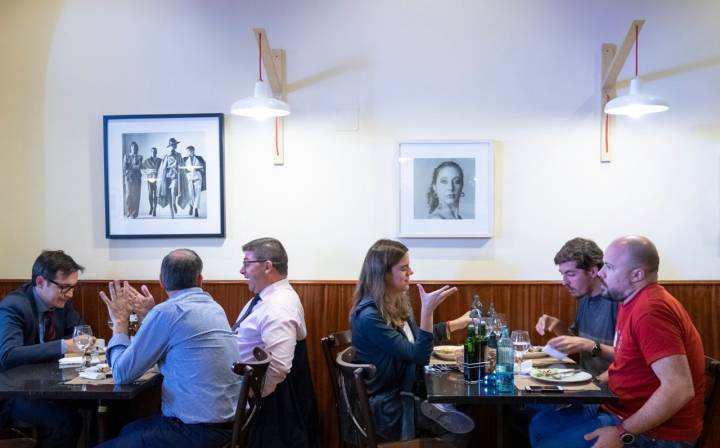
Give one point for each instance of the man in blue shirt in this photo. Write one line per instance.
(579, 261)
(36, 325)
(189, 337)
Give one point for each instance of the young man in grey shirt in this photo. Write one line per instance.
(579, 261)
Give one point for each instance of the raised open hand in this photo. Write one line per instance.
(118, 305)
(430, 301)
(142, 302)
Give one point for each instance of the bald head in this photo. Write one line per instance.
(640, 252)
(181, 269)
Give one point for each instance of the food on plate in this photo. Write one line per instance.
(447, 351)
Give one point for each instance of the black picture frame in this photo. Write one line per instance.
(178, 190)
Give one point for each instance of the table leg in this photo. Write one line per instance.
(500, 426)
(101, 420)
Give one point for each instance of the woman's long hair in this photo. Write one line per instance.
(432, 197)
(380, 259)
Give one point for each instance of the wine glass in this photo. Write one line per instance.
(83, 338)
(521, 343)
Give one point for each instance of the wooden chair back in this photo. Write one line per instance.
(331, 345)
(253, 378)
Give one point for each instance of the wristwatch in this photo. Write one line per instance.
(626, 437)
(595, 350)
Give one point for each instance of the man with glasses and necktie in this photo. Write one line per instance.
(36, 325)
(274, 320)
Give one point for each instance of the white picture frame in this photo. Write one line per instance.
(462, 173)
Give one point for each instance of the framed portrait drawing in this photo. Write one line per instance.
(446, 189)
(164, 176)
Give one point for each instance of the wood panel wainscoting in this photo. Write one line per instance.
(327, 305)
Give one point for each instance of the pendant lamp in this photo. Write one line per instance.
(262, 104)
(636, 103)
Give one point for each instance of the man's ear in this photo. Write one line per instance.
(199, 281)
(593, 271)
(40, 281)
(162, 285)
(637, 275)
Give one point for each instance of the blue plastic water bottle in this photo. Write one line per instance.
(504, 365)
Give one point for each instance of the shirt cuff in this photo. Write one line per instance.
(63, 347)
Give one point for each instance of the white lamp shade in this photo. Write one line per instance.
(636, 103)
(261, 105)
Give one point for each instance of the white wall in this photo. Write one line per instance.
(523, 73)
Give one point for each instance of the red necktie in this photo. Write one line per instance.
(49, 320)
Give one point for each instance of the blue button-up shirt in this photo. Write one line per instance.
(189, 337)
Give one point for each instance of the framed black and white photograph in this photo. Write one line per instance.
(446, 189)
(164, 176)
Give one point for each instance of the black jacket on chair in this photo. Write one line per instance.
(288, 417)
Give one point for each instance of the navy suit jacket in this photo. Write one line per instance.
(19, 338)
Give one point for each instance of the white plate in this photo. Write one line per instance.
(577, 377)
(447, 352)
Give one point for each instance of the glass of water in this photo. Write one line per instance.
(83, 338)
(521, 343)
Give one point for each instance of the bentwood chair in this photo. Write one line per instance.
(356, 404)
(253, 378)
(331, 345)
(711, 420)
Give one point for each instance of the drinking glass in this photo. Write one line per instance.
(521, 343)
(83, 338)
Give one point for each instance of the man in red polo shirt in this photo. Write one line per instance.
(658, 367)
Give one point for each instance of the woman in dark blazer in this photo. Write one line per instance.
(385, 334)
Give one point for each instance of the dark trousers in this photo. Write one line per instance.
(59, 425)
(152, 195)
(161, 431)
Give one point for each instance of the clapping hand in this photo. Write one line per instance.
(141, 302)
(118, 305)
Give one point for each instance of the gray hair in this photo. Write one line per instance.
(269, 249)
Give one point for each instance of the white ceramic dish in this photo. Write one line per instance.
(560, 376)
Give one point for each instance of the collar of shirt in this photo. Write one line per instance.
(41, 306)
(268, 291)
(180, 293)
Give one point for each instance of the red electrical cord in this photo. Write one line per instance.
(260, 56)
(636, 51)
(607, 119)
(277, 147)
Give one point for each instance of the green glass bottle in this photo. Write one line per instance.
(471, 355)
(482, 343)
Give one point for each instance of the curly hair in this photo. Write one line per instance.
(585, 253)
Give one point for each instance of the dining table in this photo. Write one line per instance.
(47, 381)
(445, 384)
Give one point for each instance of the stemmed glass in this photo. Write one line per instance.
(83, 339)
(521, 343)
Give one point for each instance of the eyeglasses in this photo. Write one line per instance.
(247, 262)
(65, 289)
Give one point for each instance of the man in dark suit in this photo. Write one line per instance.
(36, 325)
